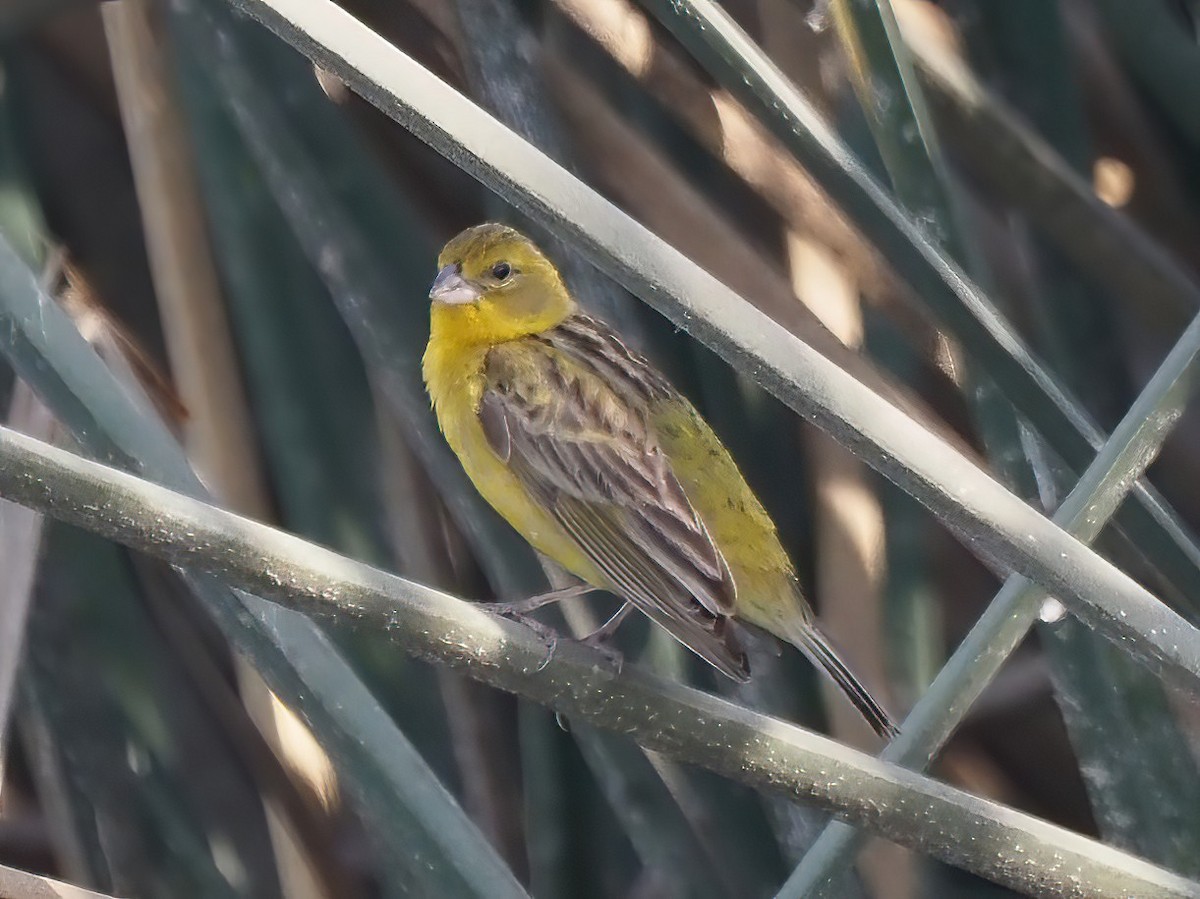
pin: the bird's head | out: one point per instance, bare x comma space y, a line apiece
494, 285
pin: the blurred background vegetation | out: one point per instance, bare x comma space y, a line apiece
253, 243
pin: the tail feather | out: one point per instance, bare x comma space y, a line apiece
816, 647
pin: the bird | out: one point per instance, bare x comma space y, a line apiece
591, 454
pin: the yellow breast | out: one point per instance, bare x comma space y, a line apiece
454, 378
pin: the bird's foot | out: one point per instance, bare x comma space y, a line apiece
516, 611
518, 608
545, 633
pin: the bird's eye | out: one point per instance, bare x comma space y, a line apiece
501, 270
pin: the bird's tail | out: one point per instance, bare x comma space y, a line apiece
816, 647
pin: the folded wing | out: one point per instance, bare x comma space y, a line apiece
568, 412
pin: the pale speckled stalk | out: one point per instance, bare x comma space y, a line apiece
1009, 847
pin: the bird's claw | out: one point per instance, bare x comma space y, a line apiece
598, 640
551, 645
548, 634
510, 610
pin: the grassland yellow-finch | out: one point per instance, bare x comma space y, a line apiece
602, 465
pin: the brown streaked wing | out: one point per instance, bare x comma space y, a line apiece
664, 601
575, 432
633, 380
595, 345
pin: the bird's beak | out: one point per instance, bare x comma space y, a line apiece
451, 287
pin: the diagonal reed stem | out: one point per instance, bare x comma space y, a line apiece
1085, 511
744, 70
1009, 847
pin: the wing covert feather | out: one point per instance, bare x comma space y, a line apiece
568, 413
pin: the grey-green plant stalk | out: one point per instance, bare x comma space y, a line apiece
888, 89
1085, 512
742, 68
1022, 852
997, 146
14, 882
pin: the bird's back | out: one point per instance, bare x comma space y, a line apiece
768, 593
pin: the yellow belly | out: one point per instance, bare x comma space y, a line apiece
456, 386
